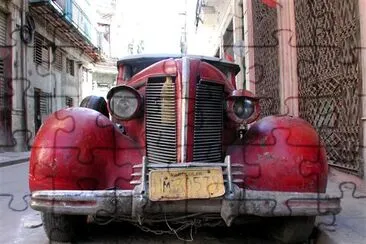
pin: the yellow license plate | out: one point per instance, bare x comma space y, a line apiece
180, 184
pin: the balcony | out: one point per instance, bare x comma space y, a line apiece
210, 12
69, 19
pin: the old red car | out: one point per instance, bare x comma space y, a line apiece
182, 142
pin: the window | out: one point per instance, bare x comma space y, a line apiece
228, 40
57, 59
42, 107
84, 75
45, 103
3, 29
41, 51
70, 67
61, 3
69, 101
3, 102
3, 32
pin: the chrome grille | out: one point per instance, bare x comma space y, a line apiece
161, 120
208, 123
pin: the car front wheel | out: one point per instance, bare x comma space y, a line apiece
63, 228
295, 229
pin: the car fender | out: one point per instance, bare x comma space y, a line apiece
282, 153
81, 149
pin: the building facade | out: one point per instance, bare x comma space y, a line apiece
302, 58
104, 72
47, 51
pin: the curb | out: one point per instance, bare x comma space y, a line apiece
13, 162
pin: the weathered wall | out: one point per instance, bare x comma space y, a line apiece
25, 76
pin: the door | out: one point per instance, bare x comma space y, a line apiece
5, 109
37, 110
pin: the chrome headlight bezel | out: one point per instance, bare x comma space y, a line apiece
117, 96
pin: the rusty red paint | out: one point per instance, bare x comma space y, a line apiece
76, 144
282, 153
208, 72
270, 3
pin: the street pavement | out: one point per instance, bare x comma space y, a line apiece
21, 224
11, 158
350, 224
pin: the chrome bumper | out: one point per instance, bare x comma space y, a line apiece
231, 205
236, 201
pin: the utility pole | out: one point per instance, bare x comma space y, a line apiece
183, 39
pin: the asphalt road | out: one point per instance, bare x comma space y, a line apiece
20, 224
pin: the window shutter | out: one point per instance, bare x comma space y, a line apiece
41, 51
2, 86
70, 67
45, 103
58, 59
3, 29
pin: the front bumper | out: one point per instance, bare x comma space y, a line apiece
235, 202
135, 204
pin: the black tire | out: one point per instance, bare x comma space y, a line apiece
295, 229
63, 228
96, 103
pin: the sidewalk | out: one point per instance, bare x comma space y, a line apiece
10, 158
349, 226
350, 223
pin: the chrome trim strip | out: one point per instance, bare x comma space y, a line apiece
143, 175
229, 173
185, 100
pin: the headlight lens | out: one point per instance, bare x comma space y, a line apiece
243, 108
124, 103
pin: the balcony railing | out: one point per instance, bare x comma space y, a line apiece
68, 12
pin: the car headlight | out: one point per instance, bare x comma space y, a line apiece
242, 107
124, 102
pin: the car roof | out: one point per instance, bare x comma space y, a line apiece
149, 59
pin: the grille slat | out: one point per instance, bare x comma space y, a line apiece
157, 146
158, 149
158, 135
154, 124
161, 120
208, 123
158, 121
162, 140
156, 110
201, 133
158, 157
